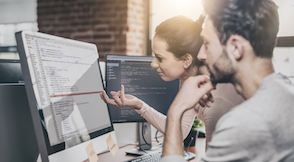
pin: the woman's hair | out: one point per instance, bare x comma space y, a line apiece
182, 36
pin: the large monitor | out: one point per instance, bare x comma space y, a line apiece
10, 71
63, 81
142, 81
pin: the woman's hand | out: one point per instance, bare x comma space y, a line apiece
120, 99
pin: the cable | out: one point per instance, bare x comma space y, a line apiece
156, 137
158, 142
191, 139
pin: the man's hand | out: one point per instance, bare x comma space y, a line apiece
194, 90
206, 100
120, 99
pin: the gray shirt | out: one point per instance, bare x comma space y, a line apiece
259, 129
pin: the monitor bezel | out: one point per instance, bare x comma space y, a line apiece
36, 118
9, 61
106, 59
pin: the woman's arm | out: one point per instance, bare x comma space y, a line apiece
158, 120
155, 118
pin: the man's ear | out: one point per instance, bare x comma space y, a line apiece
236, 47
187, 60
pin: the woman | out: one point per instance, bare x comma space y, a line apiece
176, 45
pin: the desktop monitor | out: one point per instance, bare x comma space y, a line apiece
10, 71
63, 81
140, 80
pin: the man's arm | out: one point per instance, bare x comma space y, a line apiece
192, 90
173, 144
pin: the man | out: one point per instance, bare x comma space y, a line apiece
239, 37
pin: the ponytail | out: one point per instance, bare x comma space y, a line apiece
200, 21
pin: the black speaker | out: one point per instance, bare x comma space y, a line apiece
144, 136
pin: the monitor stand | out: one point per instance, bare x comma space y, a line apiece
144, 138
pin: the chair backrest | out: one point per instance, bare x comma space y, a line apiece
17, 135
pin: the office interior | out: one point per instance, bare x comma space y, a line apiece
116, 27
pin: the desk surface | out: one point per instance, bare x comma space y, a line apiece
199, 150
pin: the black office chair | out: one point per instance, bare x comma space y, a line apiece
17, 135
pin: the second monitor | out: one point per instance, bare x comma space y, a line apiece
140, 80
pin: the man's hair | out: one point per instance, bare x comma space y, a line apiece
255, 20
182, 36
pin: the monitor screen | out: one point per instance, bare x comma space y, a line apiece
10, 71
63, 81
140, 80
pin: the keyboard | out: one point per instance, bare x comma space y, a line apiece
156, 156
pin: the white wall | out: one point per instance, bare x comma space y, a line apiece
164, 9
286, 14
16, 15
283, 59
16, 11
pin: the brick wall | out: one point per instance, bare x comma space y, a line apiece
115, 26
135, 22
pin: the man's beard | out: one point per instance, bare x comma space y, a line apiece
223, 70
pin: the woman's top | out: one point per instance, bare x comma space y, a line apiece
225, 97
